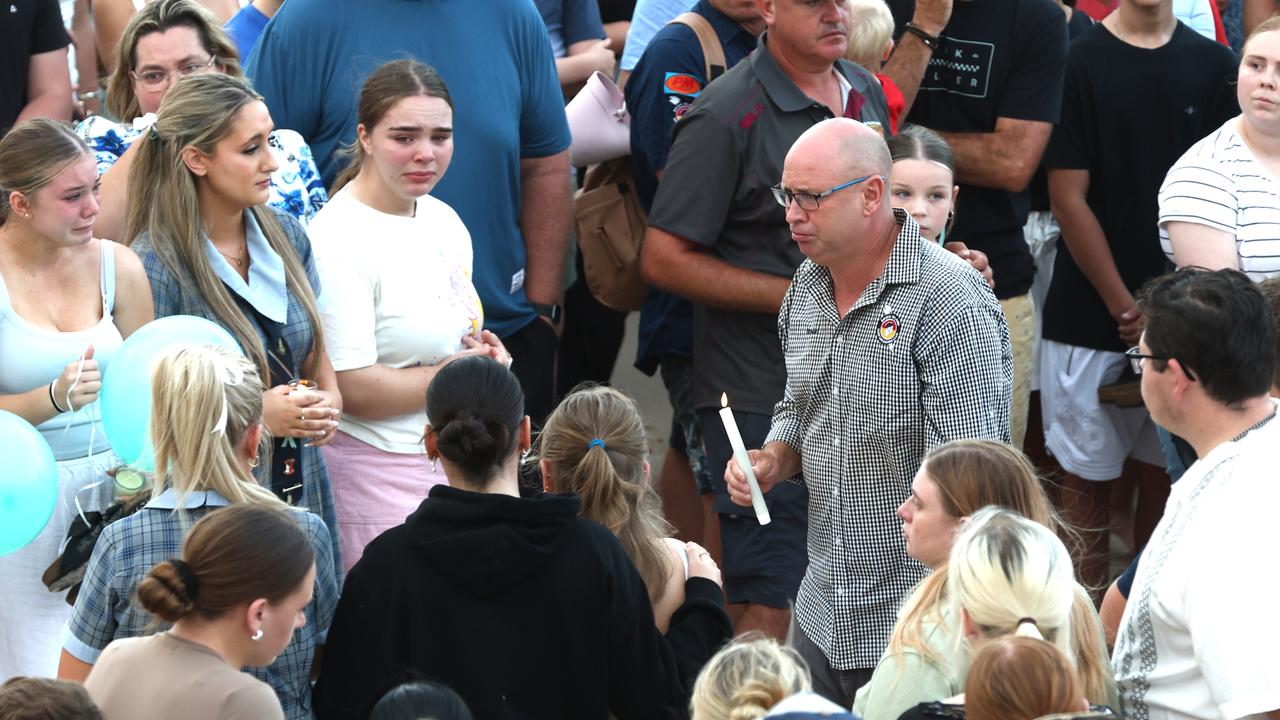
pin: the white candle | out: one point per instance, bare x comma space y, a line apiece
744, 461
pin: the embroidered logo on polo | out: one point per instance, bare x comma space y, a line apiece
962, 67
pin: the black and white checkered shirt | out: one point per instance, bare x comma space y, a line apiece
922, 358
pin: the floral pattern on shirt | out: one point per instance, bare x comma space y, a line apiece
296, 187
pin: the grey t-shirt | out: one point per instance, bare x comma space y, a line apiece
726, 153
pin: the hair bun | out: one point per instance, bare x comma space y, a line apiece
471, 443
168, 591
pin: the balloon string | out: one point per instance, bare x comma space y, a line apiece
93, 435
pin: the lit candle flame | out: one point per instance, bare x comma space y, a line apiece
724, 400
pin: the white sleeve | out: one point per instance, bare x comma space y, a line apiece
349, 306
1230, 604
1197, 191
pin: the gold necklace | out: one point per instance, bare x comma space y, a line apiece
239, 261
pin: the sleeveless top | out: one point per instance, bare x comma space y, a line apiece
33, 356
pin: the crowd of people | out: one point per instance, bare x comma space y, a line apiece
960, 309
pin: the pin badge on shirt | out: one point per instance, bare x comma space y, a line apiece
889, 326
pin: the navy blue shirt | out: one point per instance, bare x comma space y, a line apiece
569, 22
667, 79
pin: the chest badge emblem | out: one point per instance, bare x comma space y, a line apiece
889, 326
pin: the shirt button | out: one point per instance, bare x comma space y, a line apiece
835, 392
836, 442
839, 591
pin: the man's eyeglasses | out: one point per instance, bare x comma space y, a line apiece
809, 201
1135, 357
157, 79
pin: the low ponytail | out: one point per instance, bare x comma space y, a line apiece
595, 443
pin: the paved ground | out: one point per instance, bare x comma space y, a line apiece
648, 393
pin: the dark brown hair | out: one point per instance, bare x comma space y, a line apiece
1271, 288
385, 87
232, 556
25, 698
1020, 678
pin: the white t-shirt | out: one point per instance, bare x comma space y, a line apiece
1199, 635
1219, 183
397, 292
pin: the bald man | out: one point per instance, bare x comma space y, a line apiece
893, 346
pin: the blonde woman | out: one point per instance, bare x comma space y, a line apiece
164, 41
1006, 575
67, 301
594, 445
212, 248
957, 480
747, 678
207, 429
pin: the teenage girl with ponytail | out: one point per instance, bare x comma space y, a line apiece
240, 589
594, 445
206, 426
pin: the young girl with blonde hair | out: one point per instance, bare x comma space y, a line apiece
206, 421
594, 445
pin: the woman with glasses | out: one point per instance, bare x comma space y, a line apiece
164, 41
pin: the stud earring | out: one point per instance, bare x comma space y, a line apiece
257, 635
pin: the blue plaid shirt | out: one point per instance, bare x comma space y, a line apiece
178, 296
129, 548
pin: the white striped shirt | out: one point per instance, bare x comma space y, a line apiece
1220, 184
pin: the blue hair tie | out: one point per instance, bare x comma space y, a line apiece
597, 442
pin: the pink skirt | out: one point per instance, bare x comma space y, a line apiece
373, 490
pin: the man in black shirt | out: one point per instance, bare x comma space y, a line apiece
1141, 88
993, 89
718, 238
34, 78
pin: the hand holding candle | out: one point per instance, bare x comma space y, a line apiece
743, 460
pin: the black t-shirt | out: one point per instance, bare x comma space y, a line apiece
998, 58
29, 27
1039, 188
1128, 114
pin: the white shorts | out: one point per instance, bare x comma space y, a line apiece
1041, 233
1089, 439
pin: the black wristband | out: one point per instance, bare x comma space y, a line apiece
54, 400
931, 41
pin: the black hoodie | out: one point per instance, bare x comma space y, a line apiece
524, 608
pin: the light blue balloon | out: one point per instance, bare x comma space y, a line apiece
126, 385
28, 483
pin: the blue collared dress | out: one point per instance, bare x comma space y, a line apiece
267, 293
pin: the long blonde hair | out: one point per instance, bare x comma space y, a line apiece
204, 400
609, 474
970, 475
746, 678
163, 203
159, 17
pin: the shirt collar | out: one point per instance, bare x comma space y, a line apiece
725, 27
903, 266
781, 88
168, 500
266, 290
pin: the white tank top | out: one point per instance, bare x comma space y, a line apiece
33, 356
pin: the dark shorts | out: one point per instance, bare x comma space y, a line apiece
762, 565
686, 431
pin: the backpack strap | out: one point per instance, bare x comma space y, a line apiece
712, 50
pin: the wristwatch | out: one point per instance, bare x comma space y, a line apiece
550, 312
